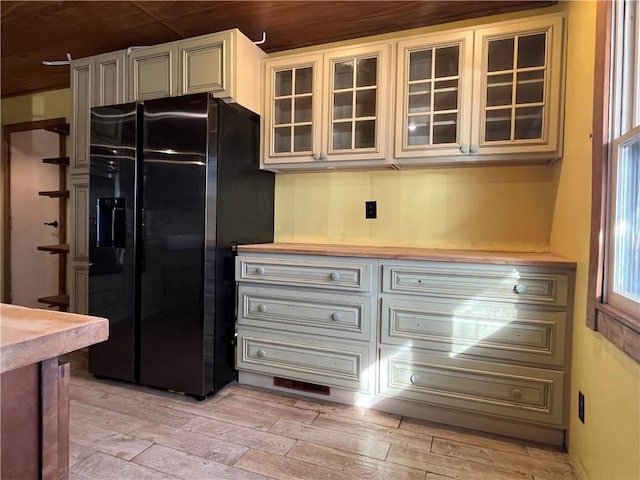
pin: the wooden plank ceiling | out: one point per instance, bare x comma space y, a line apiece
36, 31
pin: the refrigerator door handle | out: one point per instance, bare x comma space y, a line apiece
111, 222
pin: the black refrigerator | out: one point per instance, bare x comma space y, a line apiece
174, 185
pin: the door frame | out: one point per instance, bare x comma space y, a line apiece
7, 130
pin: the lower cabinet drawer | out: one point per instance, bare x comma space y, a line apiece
502, 283
299, 357
477, 328
522, 393
305, 311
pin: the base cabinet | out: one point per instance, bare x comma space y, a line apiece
307, 319
34, 422
489, 340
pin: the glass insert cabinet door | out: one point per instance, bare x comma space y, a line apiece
292, 110
433, 97
356, 105
520, 86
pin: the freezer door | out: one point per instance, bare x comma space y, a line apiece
112, 231
174, 194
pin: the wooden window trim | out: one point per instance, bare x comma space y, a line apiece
618, 327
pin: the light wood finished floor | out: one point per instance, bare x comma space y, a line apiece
121, 432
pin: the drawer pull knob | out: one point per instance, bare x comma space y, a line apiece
516, 394
262, 308
520, 288
260, 270
414, 379
335, 276
260, 353
464, 148
336, 317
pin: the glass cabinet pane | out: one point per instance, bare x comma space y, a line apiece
531, 50
420, 65
418, 130
528, 123
342, 105
447, 61
530, 87
515, 99
420, 103
365, 134
283, 83
283, 111
433, 92
445, 128
447, 100
367, 72
365, 103
282, 140
293, 110
342, 136
343, 75
303, 109
302, 138
501, 55
304, 80
498, 125
499, 90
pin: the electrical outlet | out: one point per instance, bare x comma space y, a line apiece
581, 406
370, 209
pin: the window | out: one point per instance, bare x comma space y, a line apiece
623, 267
614, 274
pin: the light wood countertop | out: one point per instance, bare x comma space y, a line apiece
30, 335
414, 253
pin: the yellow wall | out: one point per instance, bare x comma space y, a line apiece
607, 446
485, 208
39, 106
30, 108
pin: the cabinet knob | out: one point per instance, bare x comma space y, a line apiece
516, 394
323, 156
262, 308
315, 156
335, 276
464, 148
261, 353
474, 148
260, 270
414, 378
520, 288
336, 317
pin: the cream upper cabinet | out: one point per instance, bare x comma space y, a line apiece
110, 84
492, 94
226, 64
519, 86
292, 114
153, 72
328, 108
433, 98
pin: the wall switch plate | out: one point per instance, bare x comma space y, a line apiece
581, 406
370, 209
